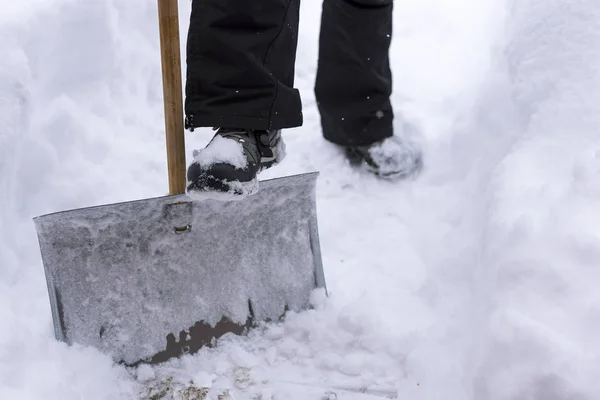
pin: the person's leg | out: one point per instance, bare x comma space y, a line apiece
240, 64
240, 77
354, 81
354, 84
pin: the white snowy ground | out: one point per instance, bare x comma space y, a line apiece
477, 281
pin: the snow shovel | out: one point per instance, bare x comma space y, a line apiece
147, 280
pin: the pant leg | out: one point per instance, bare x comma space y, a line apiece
240, 64
354, 80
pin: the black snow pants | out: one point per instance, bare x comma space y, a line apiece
240, 67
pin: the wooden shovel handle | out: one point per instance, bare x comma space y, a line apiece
168, 18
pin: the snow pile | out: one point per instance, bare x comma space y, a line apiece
474, 282
542, 244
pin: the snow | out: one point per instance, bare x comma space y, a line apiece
476, 281
222, 150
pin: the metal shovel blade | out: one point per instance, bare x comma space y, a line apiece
147, 280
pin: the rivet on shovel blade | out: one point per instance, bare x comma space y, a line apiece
183, 229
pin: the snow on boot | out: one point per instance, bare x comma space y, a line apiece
228, 166
391, 158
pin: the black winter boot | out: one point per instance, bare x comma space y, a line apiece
230, 163
391, 158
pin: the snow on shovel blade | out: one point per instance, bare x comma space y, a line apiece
147, 280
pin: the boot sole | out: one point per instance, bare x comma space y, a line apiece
212, 188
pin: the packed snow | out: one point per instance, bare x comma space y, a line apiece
476, 281
221, 150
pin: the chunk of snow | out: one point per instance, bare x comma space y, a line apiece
222, 150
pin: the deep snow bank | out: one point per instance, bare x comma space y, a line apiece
538, 270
